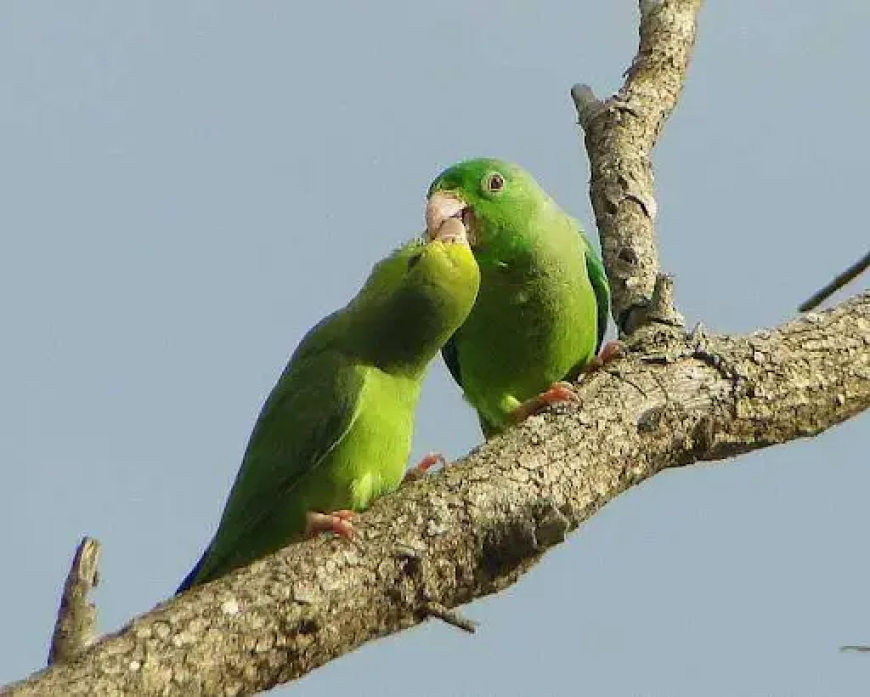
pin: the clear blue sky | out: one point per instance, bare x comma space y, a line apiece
186, 187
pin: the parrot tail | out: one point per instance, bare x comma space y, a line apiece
188, 581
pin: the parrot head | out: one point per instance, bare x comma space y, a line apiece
416, 298
491, 198
441, 262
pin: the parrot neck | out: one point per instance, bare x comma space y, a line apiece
509, 244
510, 252
402, 335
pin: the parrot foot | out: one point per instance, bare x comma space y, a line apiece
421, 469
557, 393
337, 522
609, 352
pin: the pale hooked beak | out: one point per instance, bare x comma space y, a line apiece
452, 231
440, 207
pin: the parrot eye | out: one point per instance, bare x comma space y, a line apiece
494, 182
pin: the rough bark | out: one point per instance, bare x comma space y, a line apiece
77, 615
473, 529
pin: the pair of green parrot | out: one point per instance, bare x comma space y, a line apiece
503, 282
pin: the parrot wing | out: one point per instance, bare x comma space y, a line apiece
451, 360
312, 408
598, 279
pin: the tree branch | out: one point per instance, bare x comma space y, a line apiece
620, 135
476, 527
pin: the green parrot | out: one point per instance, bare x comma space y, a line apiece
544, 299
335, 433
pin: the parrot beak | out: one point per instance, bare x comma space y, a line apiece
451, 231
441, 206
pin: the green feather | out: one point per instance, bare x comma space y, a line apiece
544, 300
335, 433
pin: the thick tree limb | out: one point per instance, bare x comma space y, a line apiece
620, 135
474, 528
77, 615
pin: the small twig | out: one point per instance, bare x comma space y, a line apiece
586, 103
77, 616
450, 617
661, 308
841, 280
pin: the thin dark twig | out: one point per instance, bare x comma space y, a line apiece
855, 649
841, 280
450, 617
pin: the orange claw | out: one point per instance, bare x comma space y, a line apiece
558, 392
564, 391
609, 352
337, 522
422, 468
